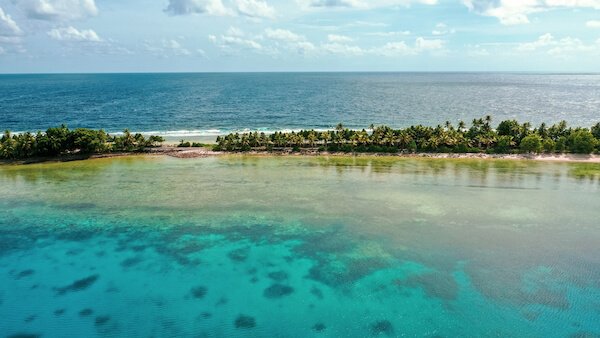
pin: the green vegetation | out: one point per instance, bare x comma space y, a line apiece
187, 144
61, 141
508, 137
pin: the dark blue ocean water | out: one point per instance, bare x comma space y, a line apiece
208, 104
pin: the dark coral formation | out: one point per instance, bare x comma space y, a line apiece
78, 285
278, 276
319, 327
198, 292
239, 255
132, 261
316, 292
382, 327
25, 273
86, 312
245, 322
101, 320
278, 291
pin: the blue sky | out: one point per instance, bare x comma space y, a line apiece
299, 35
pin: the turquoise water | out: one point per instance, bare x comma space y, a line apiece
187, 105
299, 247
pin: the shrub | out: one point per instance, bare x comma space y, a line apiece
531, 144
582, 142
549, 145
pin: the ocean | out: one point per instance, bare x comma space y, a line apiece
192, 105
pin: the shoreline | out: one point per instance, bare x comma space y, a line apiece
187, 153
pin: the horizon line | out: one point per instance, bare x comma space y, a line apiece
525, 72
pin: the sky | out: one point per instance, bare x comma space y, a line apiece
50, 36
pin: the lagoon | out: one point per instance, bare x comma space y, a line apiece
264, 246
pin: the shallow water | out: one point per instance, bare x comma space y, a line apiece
299, 247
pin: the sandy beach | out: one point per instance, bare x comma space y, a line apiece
173, 151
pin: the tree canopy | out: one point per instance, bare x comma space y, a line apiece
61, 140
508, 137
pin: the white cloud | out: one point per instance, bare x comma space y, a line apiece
255, 9
234, 39
2, 51
395, 49
442, 29
388, 34
283, 35
401, 48
343, 49
168, 47
362, 4
339, 38
422, 44
276, 42
514, 12
8, 26
390, 49
175, 47
290, 40
58, 10
559, 47
593, 24
73, 34
184, 7
543, 41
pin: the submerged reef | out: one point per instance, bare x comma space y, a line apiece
78, 285
278, 291
245, 322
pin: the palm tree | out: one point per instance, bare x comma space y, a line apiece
312, 138
325, 136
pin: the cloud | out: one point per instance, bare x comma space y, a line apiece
175, 47
58, 10
515, 12
442, 29
275, 42
8, 26
361, 4
283, 35
234, 40
558, 47
390, 49
255, 9
185, 7
422, 44
73, 34
401, 48
290, 40
593, 24
339, 38
343, 49
389, 34
169, 47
